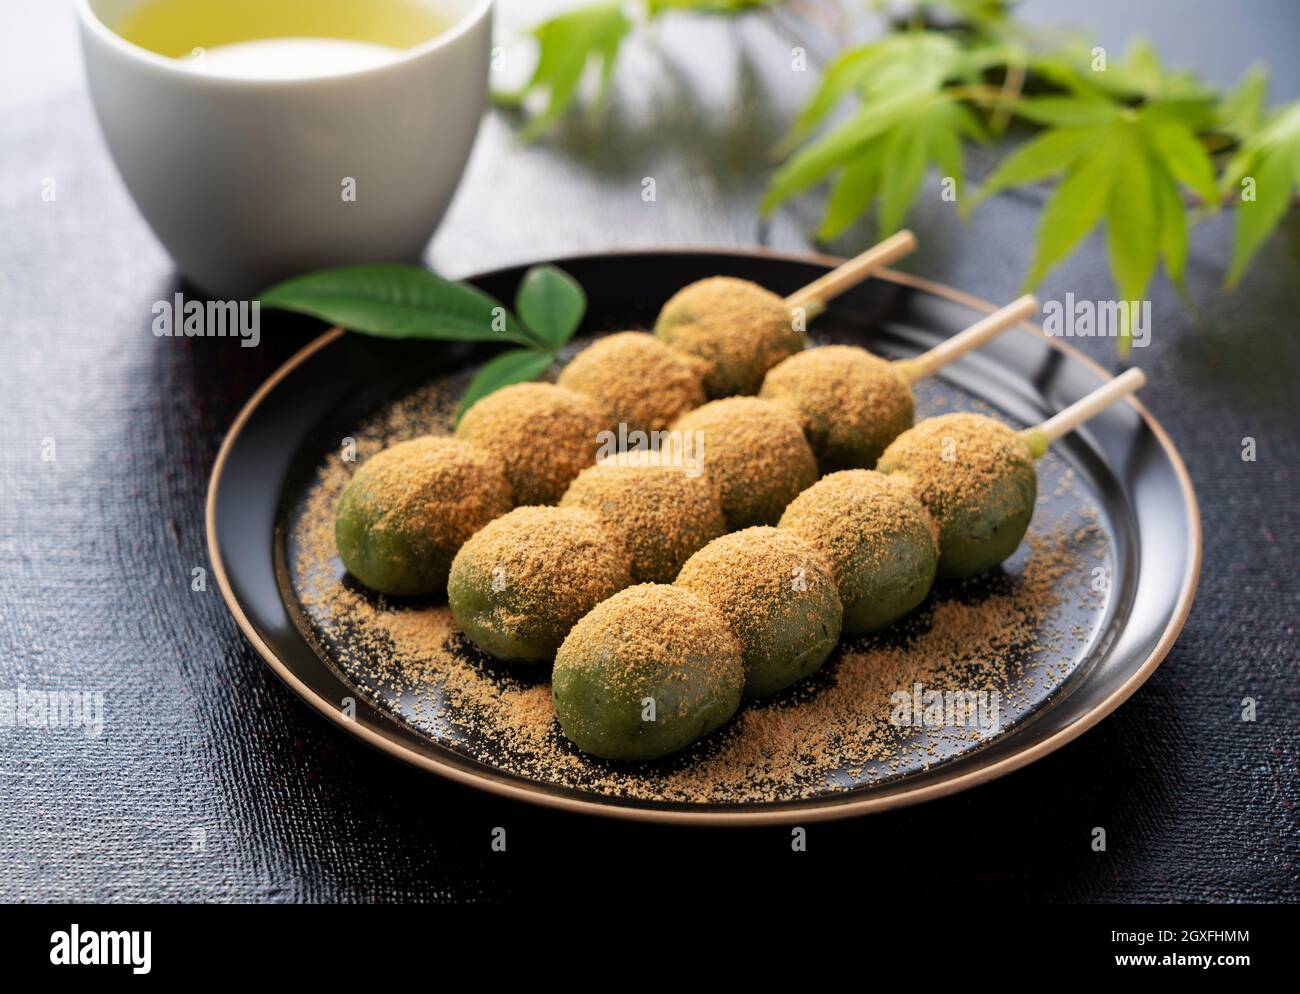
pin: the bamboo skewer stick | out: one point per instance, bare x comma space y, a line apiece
928, 363
814, 297
1080, 411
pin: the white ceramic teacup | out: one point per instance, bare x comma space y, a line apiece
246, 181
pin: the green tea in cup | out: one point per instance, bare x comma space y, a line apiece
281, 39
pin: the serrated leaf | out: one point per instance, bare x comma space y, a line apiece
1075, 206
1037, 159
1241, 111
1195, 114
1067, 112
853, 192
397, 301
1271, 158
1184, 156
657, 7
1173, 219
1132, 225
1140, 73
567, 44
905, 154
843, 74
920, 61
893, 163
1132, 218
551, 304
944, 150
913, 63
515, 366
1273, 176
819, 159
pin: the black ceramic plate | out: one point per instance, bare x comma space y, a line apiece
1121, 475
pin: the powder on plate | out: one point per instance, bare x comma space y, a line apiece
1018, 633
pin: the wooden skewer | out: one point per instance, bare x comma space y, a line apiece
814, 297
1081, 410
928, 363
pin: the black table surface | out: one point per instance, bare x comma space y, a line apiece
212, 782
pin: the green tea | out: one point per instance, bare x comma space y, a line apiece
178, 27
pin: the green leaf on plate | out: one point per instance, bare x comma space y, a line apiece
551, 303
397, 301
515, 366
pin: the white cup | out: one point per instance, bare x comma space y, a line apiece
246, 181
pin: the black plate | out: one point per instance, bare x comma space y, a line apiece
1124, 477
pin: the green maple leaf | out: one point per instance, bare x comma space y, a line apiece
931, 137
591, 37
657, 7
1262, 175
1241, 111
841, 146
567, 45
990, 16
1120, 167
1140, 73
881, 154
894, 68
1085, 70
905, 123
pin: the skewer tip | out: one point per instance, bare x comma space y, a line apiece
1076, 414
1133, 376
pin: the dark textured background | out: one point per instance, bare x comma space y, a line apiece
96, 548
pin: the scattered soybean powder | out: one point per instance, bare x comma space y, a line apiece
992, 650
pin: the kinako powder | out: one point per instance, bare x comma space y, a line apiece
542, 434
1017, 634
959, 462
852, 402
661, 514
636, 380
